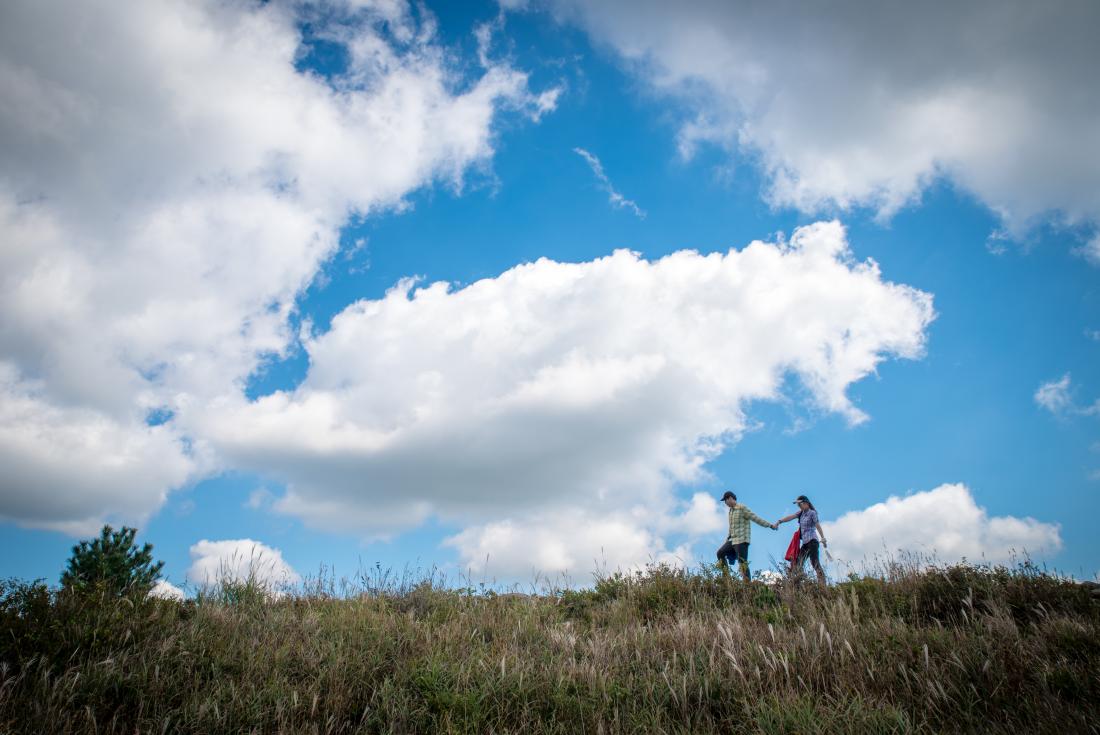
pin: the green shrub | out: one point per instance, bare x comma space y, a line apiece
113, 564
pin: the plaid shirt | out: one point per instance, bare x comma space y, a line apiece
807, 525
740, 532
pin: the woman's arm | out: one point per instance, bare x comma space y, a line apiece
792, 516
821, 535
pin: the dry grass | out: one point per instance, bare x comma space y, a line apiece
957, 649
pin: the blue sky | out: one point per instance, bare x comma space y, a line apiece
270, 411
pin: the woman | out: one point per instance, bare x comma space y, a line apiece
809, 529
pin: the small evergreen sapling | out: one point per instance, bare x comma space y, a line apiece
112, 562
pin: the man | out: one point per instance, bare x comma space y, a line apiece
736, 547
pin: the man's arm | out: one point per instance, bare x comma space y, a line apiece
760, 521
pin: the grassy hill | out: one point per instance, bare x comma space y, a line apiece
957, 649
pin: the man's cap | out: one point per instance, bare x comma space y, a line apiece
728, 494
801, 499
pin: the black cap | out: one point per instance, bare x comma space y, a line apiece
801, 499
728, 494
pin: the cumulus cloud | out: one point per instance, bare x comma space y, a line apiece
562, 543
617, 200
560, 396
170, 181
702, 517
945, 523
64, 465
166, 591
849, 104
578, 541
239, 560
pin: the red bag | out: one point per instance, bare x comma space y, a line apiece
792, 548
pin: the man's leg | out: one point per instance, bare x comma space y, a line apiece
726, 552
743, 560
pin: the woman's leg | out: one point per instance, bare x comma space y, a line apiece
797, 563
810, 550
816, 562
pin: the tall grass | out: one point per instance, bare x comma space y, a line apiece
954, 649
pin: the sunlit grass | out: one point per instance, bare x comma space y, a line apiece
957, 649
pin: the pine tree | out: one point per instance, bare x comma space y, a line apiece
114, 562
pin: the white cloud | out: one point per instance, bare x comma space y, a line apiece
258, 498
1054, 395
565, 394
849, 104
64, 465
613, 196
701, 517
239, 560
945, 522
166, 591
1090, 251
570, 542
169, 183
770, 576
